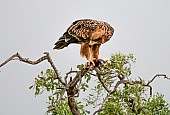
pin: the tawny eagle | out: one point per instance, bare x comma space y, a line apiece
90, 34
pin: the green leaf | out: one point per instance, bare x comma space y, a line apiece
31, 87
80, 67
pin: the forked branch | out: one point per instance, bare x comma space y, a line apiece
39, 60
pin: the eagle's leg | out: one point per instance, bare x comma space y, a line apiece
94, 53
87, 52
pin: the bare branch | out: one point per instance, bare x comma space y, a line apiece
55, 69
158, 75
26, 60
39, 60
92, 74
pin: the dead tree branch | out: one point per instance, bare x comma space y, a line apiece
158, 75
39, 60
26, 60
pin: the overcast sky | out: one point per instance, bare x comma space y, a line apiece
31, 27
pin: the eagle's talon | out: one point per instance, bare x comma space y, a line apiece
91, 61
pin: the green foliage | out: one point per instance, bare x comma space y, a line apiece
63, 109
126, 100
157, 105
80, 67
131, 101
119, 66
48, 82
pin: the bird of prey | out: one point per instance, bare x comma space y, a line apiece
90, 34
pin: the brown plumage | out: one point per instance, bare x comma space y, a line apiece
90, 34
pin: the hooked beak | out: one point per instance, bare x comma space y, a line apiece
92, 43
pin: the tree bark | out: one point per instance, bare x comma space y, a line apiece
72, 102
72, 91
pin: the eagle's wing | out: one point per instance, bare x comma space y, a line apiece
79, 32
102, 33
82, 29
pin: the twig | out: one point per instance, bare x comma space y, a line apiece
100, 79
55, 69
26, 60
68, 73
103, 104
78, 77
92, 74
158, 75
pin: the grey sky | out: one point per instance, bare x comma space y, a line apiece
31, 27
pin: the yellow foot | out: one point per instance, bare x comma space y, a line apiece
91, 61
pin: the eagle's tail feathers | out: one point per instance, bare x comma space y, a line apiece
60, 44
